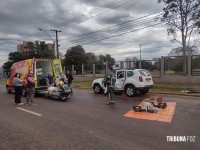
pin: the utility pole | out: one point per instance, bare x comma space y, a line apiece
140, 62
56, 41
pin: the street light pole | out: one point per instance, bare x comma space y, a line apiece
56, 40
52, 39
48, 36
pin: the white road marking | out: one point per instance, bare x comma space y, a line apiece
28, 111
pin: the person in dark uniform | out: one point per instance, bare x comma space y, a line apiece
70, 79
18, 89
110, 83
50, 79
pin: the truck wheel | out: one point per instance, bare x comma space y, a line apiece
24, 93
8, 90
97, 89
130, 90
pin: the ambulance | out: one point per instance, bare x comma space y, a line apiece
40, 68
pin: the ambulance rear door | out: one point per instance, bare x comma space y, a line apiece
57, 69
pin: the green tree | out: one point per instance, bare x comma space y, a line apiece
176, 64
75, 56
38, 50
179, 51
12, 58
182, 18
102, 59
148, 65
91, 59
7, 65
195, 63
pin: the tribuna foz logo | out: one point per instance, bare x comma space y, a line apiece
180, 138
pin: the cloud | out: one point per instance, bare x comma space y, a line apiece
20, 20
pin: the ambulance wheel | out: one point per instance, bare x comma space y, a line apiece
24, 93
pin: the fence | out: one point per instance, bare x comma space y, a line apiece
195, 63
174, 65
179, 70
90, 72
168, 69
86, 72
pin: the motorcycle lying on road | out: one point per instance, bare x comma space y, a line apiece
62, 93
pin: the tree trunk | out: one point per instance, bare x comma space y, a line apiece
183, 38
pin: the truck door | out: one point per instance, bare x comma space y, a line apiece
57, 69
120, 79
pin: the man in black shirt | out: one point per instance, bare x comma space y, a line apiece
70, 79
110, 83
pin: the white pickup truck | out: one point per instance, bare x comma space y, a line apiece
127, 80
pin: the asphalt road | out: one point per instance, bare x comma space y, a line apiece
86, 123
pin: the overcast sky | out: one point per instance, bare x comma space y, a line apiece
117, 26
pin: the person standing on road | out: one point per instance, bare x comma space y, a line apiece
18, 89
70, 79
30, 88
110, 83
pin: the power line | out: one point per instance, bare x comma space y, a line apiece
100, 10
114, 35
123, 33
109, 32
90, 13
103, 38
129, 21
46, 34
94, 12
120, 34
